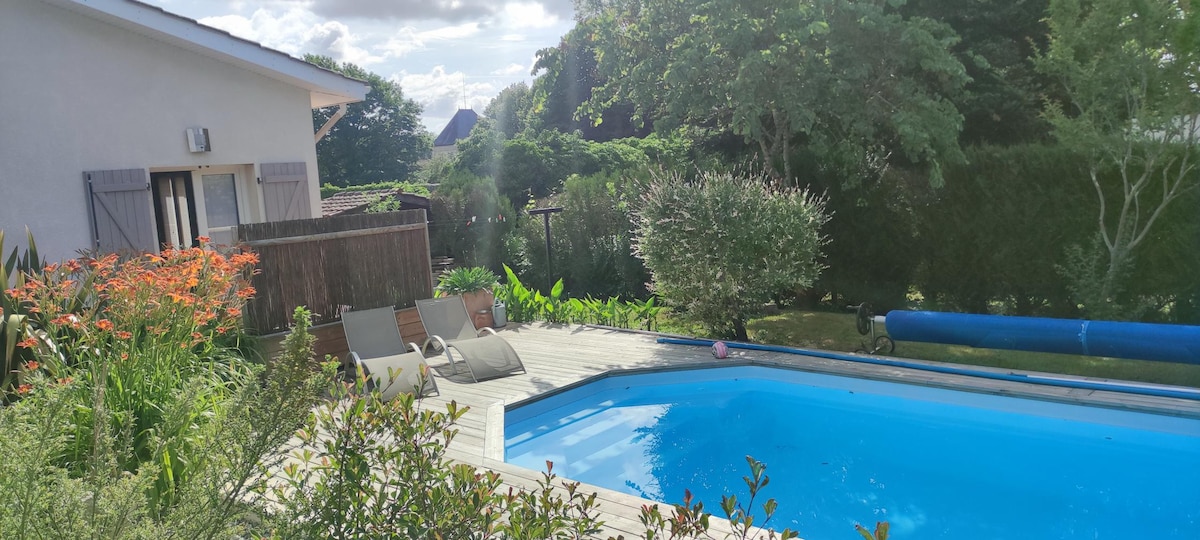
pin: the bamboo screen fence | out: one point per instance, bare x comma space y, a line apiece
362, 261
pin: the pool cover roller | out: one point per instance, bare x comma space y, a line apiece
1142, 341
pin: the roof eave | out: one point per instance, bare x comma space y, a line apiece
326, 88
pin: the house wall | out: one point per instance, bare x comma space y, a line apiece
82, 95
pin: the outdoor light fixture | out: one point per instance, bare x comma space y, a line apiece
197, 139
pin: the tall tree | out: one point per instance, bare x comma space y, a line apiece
855, 80
1002, 103
378, 140
509, 111
567, 76
1130, 71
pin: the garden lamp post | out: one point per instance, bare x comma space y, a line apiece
545, 213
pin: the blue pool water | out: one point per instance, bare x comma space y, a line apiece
935, 463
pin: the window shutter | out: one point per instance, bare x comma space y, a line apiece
285, 191
122, 210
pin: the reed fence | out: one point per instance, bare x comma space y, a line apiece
359, 261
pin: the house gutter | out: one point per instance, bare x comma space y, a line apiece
337, 115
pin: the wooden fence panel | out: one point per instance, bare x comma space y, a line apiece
363, 261
331, 338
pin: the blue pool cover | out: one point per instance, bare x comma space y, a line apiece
1143, 341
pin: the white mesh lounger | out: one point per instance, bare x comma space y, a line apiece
449, 326
377, 349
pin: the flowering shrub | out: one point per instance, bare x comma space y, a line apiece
190, 298
154, 332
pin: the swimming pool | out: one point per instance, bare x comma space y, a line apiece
935, 463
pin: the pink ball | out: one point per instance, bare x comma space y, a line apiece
720, 349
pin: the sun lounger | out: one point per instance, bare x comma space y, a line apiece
448, 326
377, 348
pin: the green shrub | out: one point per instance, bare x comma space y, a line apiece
101, 497
379, 470
148, 336
525, 305
996, 231
14, 316
722, 246
592, 238
464, 280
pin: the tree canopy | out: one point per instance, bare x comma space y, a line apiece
856, 81
378, 140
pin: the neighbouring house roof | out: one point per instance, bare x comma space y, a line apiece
458, 128
356, 202
325, 87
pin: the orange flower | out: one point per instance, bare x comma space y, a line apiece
32, 365
27, 343
233, 312
104, 325
62, 320
65, 380
121, 334
24, 388
244, 259
246, 292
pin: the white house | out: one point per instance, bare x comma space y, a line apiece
128, 127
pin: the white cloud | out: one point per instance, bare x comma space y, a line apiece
445, 10
513, 37
519, 15
408, 39
297, 31
442, 93
511, 69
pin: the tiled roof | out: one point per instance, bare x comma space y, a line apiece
346, 201
458, 128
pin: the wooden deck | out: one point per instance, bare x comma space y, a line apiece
557, 356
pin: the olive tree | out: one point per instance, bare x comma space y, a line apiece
720, 246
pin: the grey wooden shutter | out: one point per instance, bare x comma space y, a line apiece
122, 210
285, 191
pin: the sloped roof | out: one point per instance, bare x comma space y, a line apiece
458, 128
347, 201
325, 87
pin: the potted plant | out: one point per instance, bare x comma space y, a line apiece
475, 285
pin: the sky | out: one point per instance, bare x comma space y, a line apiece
445, 54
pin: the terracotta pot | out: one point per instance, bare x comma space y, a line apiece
479, 306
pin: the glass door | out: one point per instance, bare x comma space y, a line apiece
220, 207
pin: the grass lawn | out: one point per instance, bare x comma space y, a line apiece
835, 332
